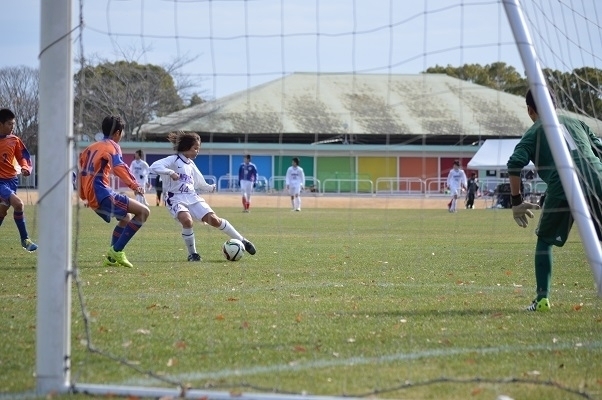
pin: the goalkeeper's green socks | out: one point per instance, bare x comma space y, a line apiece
543, 269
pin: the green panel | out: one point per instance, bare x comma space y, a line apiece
281, 164
334, 171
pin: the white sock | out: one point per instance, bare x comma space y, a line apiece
298, 203
293, 203
188, 236
229, 230
453, 207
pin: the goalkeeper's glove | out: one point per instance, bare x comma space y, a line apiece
522, 210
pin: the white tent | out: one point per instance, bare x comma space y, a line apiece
494, 155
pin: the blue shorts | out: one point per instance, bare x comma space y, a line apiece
7, 188
115, 205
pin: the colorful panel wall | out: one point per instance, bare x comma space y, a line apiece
216, 165
281, 164
263, 164
332, 169
377, 167
424, 168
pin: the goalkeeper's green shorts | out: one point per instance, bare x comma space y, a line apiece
556, 220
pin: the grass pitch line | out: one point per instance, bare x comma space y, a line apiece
301, 366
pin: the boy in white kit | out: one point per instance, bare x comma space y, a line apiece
140, 170
456, 181
181, 178
295, 180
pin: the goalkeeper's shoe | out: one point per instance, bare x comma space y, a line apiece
29, 245
194, 257
109, 262
542, 305
249, 247
119, 257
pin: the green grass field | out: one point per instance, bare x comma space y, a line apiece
404, 304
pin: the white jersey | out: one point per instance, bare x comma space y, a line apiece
190, 178
140, 170
456, 179
295, 177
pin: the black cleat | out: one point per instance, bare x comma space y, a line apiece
249, 247
194, 257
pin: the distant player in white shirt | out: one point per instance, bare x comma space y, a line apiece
456, 181
247, 178
140, 170
181, 178
295, 180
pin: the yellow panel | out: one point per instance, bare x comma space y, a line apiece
377, 167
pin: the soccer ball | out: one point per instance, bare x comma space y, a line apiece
233, 249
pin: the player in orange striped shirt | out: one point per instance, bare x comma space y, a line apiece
12, 149
96, 163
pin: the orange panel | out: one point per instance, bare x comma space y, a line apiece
419, 167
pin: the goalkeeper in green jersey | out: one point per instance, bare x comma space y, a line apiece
556, 220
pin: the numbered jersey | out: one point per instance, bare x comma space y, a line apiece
96, 163
190, 178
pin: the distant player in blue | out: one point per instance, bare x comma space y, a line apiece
247, 177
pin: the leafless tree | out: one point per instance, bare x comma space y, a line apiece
19, 92
137, 92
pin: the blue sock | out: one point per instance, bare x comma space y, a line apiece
128, 232
116, 234
1, 221
20, 221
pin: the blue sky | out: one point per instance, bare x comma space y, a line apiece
237, 44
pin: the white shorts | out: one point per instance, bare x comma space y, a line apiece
194, 204
246, 186
294, 190
455, 191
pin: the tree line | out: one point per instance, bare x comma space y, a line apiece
136, 92
578, 91
141, 92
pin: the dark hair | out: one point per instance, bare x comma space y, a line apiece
296, 160
139, 152
183, 141
248, 157
112, 124
531, 101
456, 162
6, 115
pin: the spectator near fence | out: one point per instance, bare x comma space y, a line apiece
472, 188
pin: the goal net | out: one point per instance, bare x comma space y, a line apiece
379, 282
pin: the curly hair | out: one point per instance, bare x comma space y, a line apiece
183, 141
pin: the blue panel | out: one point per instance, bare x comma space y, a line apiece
264, 168
216, 165
263, 164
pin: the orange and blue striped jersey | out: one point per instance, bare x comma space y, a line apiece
12, 149
96, 163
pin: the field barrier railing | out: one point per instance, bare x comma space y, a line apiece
395, 185
355, 182
278, 182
